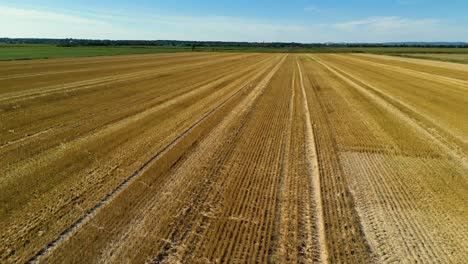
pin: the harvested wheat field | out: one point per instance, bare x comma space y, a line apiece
230, 157
460, 58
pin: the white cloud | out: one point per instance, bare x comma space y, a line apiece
386, 23
394, 29
22, 22
223, 28
34, 15
17, 22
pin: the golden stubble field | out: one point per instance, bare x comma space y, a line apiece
219, 157
460, 58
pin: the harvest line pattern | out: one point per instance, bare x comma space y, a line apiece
210, 158
127, 181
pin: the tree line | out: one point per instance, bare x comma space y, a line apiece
70, 42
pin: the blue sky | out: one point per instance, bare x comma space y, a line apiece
261, 20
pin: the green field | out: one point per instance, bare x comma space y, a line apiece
42, 51
39, 51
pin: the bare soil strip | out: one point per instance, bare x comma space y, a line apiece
343, 232
314, 167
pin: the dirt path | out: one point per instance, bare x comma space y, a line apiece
314, 167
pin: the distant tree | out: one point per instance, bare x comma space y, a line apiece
219, 44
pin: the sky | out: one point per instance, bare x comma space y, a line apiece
306, 21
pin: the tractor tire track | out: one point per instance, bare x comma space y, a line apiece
315, 174
160, 154
91, 212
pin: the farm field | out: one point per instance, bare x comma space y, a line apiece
234, 157
47, 51
44, 51
459, 58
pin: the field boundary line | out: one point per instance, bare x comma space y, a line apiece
396, 111
314, 165
108, 198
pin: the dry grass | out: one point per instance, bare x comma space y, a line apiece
404, 160
239, 157
458, 58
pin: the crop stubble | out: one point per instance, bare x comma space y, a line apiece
233, 158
